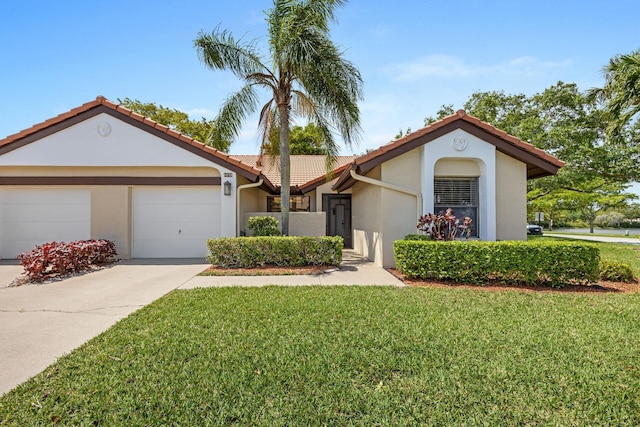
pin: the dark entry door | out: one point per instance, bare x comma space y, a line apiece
338, 209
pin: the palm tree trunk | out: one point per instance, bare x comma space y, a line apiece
285, 168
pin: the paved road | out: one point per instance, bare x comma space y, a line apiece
599, 238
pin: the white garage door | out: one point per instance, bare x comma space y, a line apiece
174, 222
29, 217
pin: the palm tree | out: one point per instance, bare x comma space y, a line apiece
307, 76
621, 92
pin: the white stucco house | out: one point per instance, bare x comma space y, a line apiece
103, 171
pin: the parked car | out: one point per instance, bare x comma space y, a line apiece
534, 229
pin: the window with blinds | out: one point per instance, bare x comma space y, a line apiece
456, 192
461, 195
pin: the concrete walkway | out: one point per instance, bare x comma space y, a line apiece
354, 270
40, 323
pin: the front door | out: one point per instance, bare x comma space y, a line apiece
338, 209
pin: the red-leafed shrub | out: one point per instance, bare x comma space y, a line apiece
63, 258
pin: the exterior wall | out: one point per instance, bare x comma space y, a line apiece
154, 171
511, 198
83, 145
457, 168
300, 223
251, 200
316, 205
460, 145
111, 216
366, 219
399, 211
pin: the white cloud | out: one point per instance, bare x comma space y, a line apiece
449, 66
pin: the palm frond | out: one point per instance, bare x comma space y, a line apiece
219, 50
234, 112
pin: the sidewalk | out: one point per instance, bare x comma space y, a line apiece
354, 270
628, 240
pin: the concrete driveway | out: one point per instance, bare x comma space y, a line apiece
39, 323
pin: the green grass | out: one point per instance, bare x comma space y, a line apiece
621, 252
350, 356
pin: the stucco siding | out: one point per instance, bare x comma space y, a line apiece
111, 216
399, 211
366, 219
82, 171
511, 198
457, 168
300, 223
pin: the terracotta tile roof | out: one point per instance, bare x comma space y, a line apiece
225, 159
368, 161
307, 171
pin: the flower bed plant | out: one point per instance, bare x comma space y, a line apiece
63, 258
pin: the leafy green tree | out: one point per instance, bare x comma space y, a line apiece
302, 140
306, 76
402, 133
444, 111
569, 124
200, 130
621, 91
594, 197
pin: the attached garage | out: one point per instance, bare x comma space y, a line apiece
174, 222
101, 171
32, 216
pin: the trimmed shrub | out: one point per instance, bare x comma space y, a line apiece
62, 258
614, 271
284, 251
553, 264
263, 226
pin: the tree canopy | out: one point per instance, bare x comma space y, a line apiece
200, 130
305, 74
302, 140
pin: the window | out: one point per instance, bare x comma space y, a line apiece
296, 204
459, 194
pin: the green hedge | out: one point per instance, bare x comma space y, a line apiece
616, 272
553, 264
287, 251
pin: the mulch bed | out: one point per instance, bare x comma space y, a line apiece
267, 271
610, 287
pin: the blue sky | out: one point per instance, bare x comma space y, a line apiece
413, 55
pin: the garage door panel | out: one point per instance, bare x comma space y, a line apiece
184, 196
188, 248
171, 230
51, 213
171, 213
174, 222
45, 231
33, 216
45, 196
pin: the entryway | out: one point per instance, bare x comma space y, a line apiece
338, 209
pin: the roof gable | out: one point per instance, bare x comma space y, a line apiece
538, 162
103, 106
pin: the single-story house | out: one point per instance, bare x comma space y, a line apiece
103, 171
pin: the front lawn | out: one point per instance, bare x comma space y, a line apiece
350, 356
